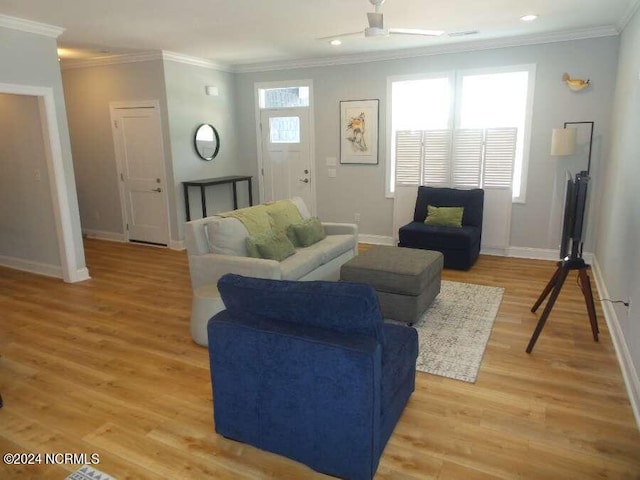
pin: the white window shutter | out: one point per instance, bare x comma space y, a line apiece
464, 158
408, 157
436, 166
499, 155
467, 158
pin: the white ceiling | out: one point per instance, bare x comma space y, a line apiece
237, 32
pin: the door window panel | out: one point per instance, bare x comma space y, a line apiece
284, 129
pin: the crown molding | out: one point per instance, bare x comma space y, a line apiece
469, 46
30, 26
70, 64
196, 61
163, 55
628, 15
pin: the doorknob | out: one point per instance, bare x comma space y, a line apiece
156, 189
306, 171
304, 180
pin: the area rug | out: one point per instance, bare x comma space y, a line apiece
455, 329
89, 473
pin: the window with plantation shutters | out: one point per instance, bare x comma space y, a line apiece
499, 154
462, 126
436, 167
466, 160
462, 158
408, 157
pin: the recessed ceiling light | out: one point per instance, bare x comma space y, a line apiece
336, 42
529, 18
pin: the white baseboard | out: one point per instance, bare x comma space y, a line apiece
498, 252
528, 252
375, 239
31, 266
535, 253
629, 373
80, 275
102, 235
177, 245
516, 252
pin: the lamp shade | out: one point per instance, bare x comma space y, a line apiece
563, 141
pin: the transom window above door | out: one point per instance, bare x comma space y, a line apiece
286, 97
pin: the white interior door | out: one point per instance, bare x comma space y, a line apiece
286, 155
138, 140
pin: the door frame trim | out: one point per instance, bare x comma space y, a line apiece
69, 244
312, 144
133, 104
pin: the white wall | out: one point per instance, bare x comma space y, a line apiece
27, 225
88, 92
188, 107
31, 60
361, 188
618, 236
180, 88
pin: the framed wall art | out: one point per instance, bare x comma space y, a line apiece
359, 131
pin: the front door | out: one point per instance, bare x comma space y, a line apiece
138, 142
286, 155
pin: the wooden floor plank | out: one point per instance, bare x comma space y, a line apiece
108, 366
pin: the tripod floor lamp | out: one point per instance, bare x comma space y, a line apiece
564, 143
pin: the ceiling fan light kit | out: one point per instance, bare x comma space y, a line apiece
529, 18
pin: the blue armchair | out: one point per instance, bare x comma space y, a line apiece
309, 370
459, 245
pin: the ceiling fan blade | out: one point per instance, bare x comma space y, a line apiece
375, 20
342, 35
416, 31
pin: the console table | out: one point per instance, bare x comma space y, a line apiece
207, 182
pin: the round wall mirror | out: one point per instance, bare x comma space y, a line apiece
207, 141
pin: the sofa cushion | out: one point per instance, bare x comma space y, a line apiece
349, 308
227, 236
417, 234
302, 207
331, 247
298, 265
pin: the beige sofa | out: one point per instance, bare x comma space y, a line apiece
217, 245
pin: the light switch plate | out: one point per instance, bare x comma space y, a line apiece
331, 172
331, 161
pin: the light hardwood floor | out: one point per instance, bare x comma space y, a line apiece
108, 366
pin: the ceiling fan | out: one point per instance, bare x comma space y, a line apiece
376, 26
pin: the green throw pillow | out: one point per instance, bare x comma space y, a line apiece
272, 246
291, 235
444, 216
308, 232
